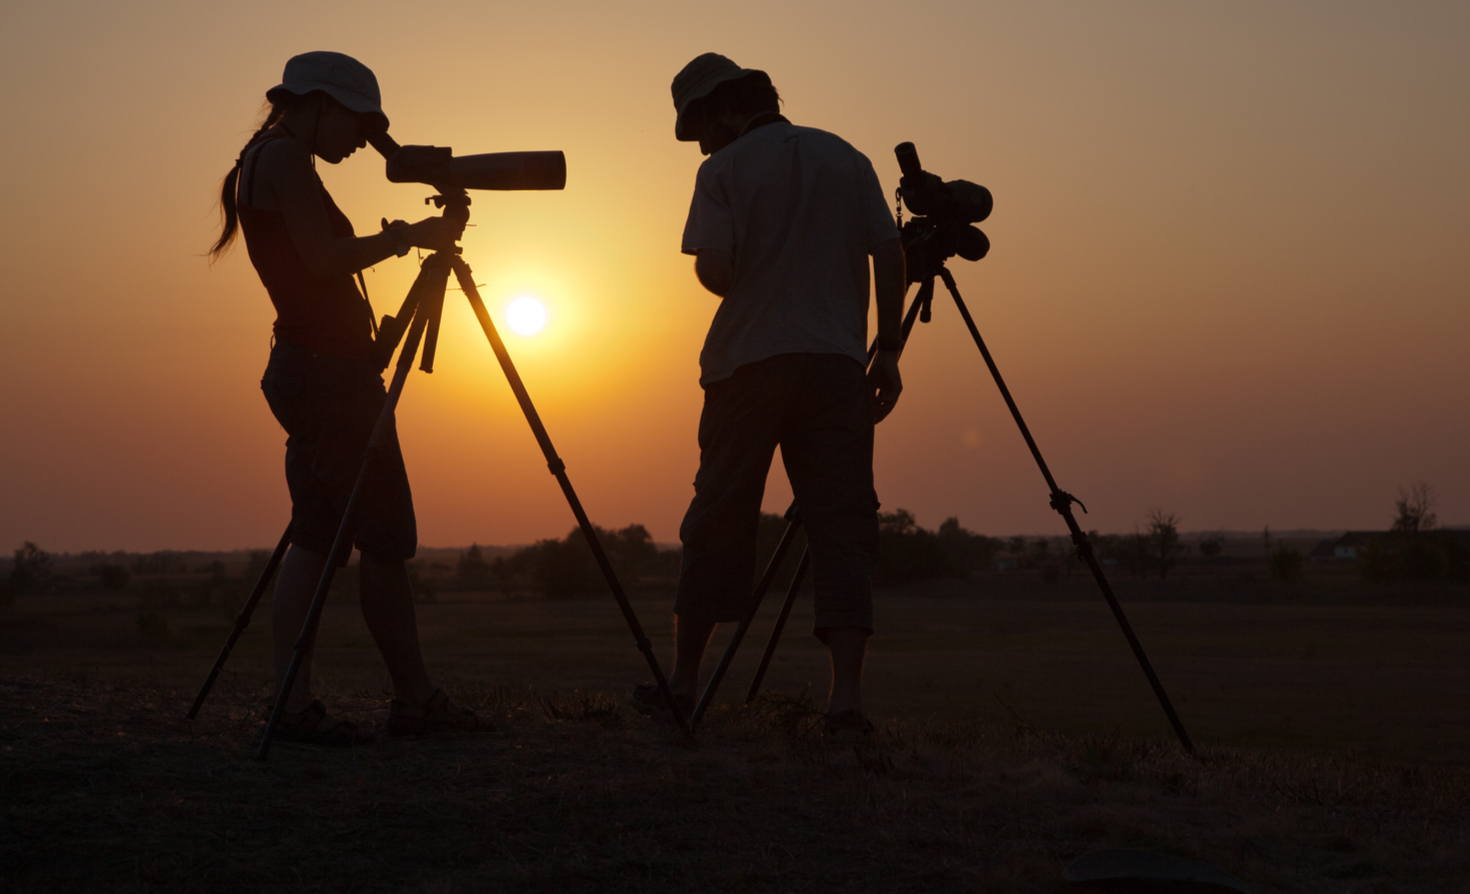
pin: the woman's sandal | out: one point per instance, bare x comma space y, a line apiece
313, 726
438, 714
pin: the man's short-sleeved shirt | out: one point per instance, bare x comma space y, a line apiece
799, 209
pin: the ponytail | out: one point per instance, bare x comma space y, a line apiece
227, 201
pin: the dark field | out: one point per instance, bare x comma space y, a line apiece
1017, 733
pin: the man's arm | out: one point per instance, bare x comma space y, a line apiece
889, 285
716, 270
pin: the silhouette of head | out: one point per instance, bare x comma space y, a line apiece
340, 77
711, 92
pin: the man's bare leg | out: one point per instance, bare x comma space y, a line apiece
387, 607
296, 583
691, 639
849, 647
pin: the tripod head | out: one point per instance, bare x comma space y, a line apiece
945, 214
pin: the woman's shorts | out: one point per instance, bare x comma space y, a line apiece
328, 407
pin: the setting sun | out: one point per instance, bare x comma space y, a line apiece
526, 315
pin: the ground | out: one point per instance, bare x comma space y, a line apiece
1015, 734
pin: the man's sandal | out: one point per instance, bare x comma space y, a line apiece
436, 715
848, 729
313, 726
647, 699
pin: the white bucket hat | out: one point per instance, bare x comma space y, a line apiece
339, 76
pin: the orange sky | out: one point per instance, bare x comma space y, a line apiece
1230, 270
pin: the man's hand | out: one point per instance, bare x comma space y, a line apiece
715, 269
886, 383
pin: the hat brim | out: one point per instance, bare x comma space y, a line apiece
683, 116
362, 105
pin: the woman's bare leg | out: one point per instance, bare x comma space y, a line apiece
296, 583
387, 606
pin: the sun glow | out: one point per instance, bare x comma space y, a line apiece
526, 315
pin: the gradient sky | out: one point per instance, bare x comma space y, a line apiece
1229, 279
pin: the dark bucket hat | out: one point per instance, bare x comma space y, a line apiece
339, 76
698, 79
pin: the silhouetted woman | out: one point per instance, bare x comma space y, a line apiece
322, 385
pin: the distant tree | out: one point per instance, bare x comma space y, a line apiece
165, 561
965, 551
1415, 509
1286, 564
503, 573
31, 569
1210, 546
110, 576
1413, 549
1136, 552
631, 551
472, 568
907, 552
255, 566
1163, 534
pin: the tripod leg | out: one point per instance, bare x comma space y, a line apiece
434, 274
1061, 501
793, 521
796, 579
559, 469
242, 620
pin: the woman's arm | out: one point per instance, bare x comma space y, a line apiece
284, 179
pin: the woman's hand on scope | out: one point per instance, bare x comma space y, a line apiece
433, 233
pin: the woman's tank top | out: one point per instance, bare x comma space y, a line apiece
325, 316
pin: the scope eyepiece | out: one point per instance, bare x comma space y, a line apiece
908, 160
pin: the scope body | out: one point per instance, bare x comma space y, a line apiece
945, 216
439, 167
957, 201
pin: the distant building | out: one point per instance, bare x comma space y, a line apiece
1345, 548
1350, 546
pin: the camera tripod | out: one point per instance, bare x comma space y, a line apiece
932, 266
420, 316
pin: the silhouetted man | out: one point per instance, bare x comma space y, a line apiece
781, 226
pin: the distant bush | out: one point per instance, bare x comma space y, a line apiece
152, 625
1412, 549
1163, 540
472, 567
111, 577
908, 553
1424, 556
162, 562
31, 569
560, 569
1285, 564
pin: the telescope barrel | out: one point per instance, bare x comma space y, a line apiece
439, 167
507, 170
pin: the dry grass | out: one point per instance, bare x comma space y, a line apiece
107, 788
1015, 735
